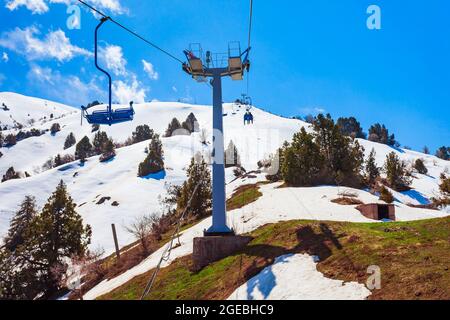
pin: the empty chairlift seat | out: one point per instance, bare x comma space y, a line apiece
123, 114
235, 64
109, 116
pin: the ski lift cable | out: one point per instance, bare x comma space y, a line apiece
130, 31
250, 24
166, 253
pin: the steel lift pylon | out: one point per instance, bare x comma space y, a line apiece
236, 64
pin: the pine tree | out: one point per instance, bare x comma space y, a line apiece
10, 140
420, 166
70, 141
100, 139
55, 128
173, 126
232, 158
443, 153
379, 133
21, 223
199, 180
386, 195
302, 161
339, 152
108, 151
426, 150
191, 123
154, 162
1, 138
56, 234
309, 118
444, 186
18, 279
58, 161
156, 146
83, 149
372, 172
10, 174
142, 133
42, 243
351, 127
396, 172
356, 161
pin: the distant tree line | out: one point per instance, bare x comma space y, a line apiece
101, 145
190, 125
331, 155
377, 133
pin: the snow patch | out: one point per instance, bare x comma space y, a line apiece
295, 277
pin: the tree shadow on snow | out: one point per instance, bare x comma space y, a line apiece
318, 244
109, 160
414, 194
161, 175
397, 149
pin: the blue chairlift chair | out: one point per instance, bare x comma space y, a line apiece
107, 116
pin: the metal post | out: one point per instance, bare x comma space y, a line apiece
116, 243
219, 221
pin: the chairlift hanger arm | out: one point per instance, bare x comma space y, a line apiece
102, 21
108, 116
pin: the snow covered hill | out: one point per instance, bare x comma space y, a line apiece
118, 178
135, 196
21, 111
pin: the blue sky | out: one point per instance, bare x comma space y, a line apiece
307, 56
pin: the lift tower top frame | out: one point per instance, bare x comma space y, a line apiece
213, 70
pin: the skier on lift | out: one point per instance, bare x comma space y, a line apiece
248, 118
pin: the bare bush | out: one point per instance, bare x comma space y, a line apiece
141, 229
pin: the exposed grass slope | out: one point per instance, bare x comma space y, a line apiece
243, 196
414, 258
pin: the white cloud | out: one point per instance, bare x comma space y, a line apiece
42, 74
150, 70
55, 44
35, 6
312, 110
5, 57
113, 6
67, 89
42, 6
112, 56
124, 92
174, 89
